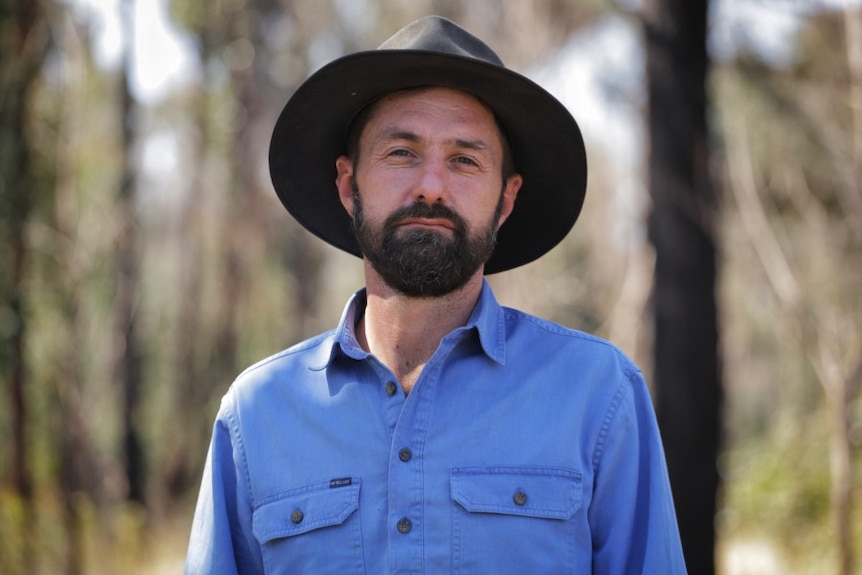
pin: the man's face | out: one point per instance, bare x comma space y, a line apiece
426, 191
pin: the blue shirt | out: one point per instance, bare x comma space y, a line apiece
524, 447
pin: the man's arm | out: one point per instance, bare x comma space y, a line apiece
221, 538
632, 514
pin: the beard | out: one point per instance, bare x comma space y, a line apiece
423, 263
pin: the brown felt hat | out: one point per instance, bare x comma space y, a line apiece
546, 143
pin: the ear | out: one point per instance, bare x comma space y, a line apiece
510, 193
344, 182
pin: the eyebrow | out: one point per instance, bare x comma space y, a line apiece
477, 145
393, 134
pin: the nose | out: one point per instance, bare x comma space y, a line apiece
432, 182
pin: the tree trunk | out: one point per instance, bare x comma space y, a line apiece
182, 468
23, 47
79, 468
128, 352
22, 50
688, 392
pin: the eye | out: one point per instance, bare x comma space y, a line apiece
401, 153
466, 161
399, 156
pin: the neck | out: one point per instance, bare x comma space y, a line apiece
404, 332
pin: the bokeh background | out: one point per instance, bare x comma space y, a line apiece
145, 259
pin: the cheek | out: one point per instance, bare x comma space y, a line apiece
493, 204
384, 195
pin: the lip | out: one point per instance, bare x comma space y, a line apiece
427, 223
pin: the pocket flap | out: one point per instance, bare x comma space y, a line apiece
307, 508
549, 493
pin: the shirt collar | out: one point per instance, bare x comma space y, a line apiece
487, 320
346, 334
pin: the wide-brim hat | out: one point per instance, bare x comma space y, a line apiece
545, 140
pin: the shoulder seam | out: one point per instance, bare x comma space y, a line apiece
629, 367
300, 347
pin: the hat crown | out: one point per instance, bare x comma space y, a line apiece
437, 34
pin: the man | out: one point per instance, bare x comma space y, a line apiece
434, 431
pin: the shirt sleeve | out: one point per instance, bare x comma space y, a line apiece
632, 516
221, 539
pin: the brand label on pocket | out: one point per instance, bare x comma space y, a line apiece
342, 482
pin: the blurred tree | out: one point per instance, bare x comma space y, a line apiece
794, 175
251, 54
24, 43
129, 346
64, 282
188, 372
688, 393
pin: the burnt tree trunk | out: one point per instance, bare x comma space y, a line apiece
128, 358
688, 393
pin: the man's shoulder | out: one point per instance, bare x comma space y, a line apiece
516, 319
311, 354
537, 330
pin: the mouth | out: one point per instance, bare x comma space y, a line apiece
429, 223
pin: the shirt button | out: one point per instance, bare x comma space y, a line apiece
404, 526
520, 498
296, 517
405, 455
391, 388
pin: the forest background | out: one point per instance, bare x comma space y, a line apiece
145, 260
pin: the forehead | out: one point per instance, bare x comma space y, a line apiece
433, 107
436, 94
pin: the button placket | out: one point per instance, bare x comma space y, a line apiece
406, 479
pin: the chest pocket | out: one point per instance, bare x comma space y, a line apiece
515, 519
313, 529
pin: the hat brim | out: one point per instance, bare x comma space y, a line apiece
546, 144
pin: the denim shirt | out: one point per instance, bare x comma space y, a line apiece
524, 447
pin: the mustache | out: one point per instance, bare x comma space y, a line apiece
425, 210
